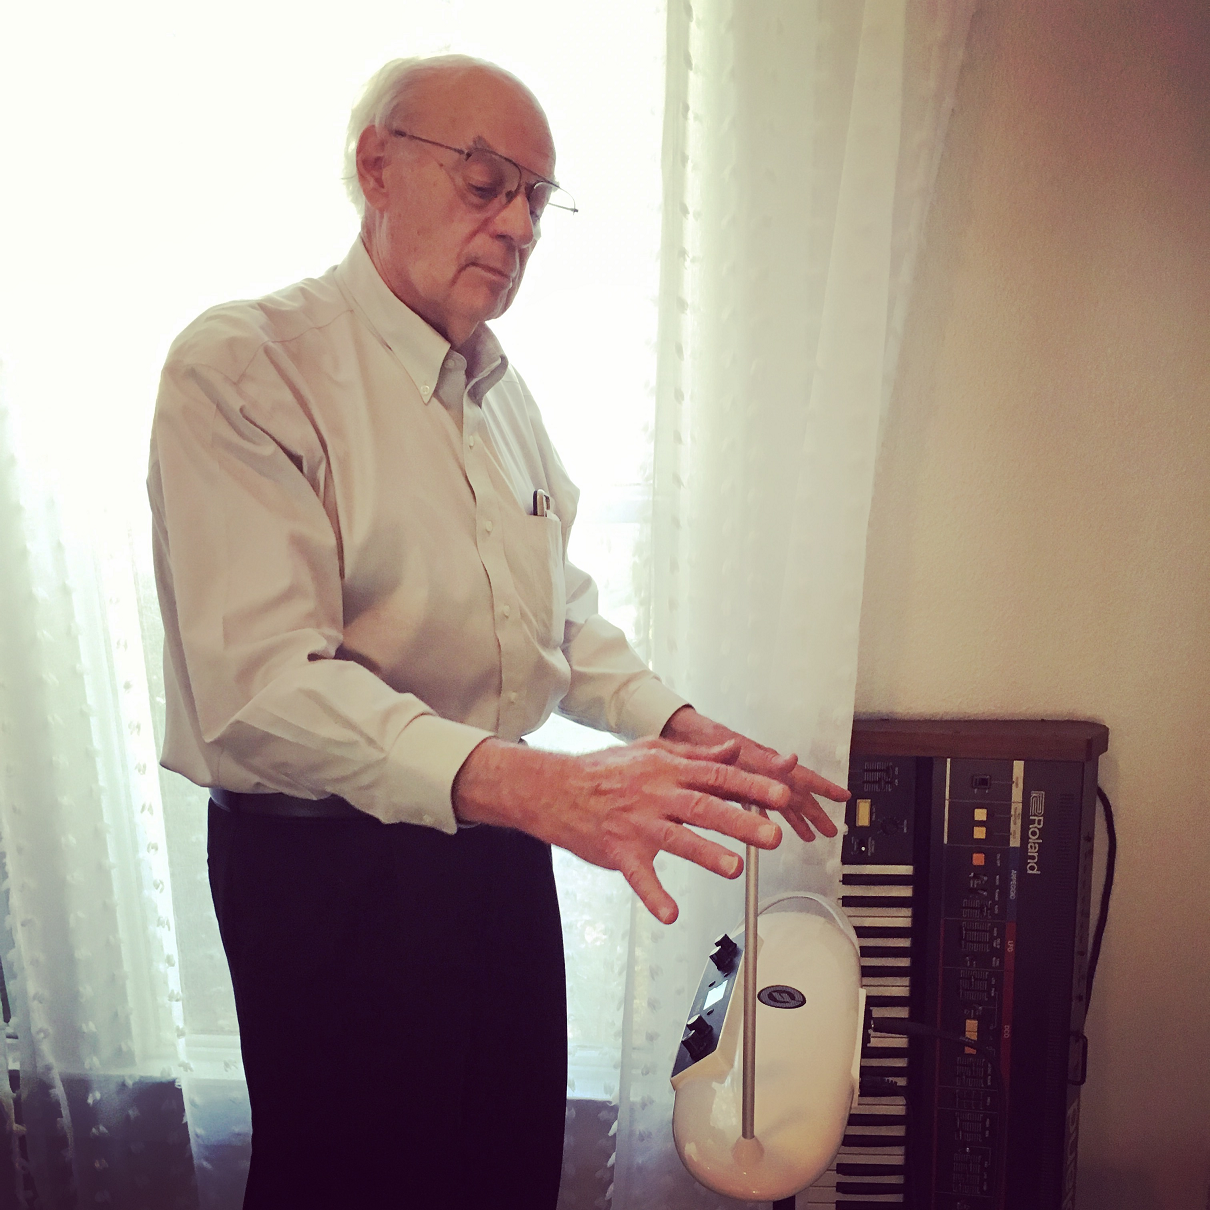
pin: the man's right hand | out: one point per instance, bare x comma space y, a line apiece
619, 807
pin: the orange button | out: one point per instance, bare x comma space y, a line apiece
977, 859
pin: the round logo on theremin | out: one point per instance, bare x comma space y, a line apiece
779, 995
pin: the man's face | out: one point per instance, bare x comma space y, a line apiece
453, 264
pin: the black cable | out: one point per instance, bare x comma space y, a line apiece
1111, 861
901, 1027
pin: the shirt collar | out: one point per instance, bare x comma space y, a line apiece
420, 348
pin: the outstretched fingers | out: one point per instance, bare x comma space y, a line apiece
681, 842
646, 885
733, 784
706, 811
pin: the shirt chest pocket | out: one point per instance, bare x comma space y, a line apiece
536, 562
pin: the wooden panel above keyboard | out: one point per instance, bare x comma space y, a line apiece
989, 739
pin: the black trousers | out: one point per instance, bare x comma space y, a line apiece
402, 1012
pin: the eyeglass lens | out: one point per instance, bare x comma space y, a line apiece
486, 176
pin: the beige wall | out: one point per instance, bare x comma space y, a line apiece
1040, 535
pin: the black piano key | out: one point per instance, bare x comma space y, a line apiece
872, 1140
883, 999
884, 930
885, 972
867, 1187
844, 1203
886, 951
877, 879
876, 901
871, 1169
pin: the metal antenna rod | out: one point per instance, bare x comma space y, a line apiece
751, 900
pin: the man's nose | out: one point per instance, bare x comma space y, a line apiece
515, 221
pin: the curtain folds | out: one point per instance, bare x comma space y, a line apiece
800, 146
89, 951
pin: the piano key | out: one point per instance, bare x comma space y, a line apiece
858, 868
887, 897
855, 879
885, 969
887, 1175
857, 892
897, 1118
846, 1203
880, 930
829, 1197
876, 1085
881, 1151
889, 999
888, 947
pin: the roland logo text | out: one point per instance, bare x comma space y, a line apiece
1033, 841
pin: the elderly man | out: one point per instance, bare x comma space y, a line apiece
360, 537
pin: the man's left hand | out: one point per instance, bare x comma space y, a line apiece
686, 726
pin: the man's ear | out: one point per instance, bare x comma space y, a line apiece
371, 166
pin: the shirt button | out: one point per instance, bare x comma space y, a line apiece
507, 611
487, 525
426, 391
512, 697
471, 442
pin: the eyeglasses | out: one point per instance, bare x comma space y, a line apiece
484, 176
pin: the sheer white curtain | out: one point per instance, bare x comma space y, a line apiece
160, 159
800, 147
168, 158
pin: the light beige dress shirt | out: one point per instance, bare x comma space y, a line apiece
355, 588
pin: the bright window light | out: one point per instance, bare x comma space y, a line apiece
162, 158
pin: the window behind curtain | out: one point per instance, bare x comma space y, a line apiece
162, 159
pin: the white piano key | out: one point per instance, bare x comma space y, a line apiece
829, 1197
827, 1182
892, 1153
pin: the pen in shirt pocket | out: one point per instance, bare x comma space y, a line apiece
541, 503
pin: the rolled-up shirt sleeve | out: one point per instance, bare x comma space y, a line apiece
248, 563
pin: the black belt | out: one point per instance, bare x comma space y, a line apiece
285, 806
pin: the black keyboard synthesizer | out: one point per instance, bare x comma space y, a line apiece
966, 872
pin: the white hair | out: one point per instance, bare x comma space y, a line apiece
387, 91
